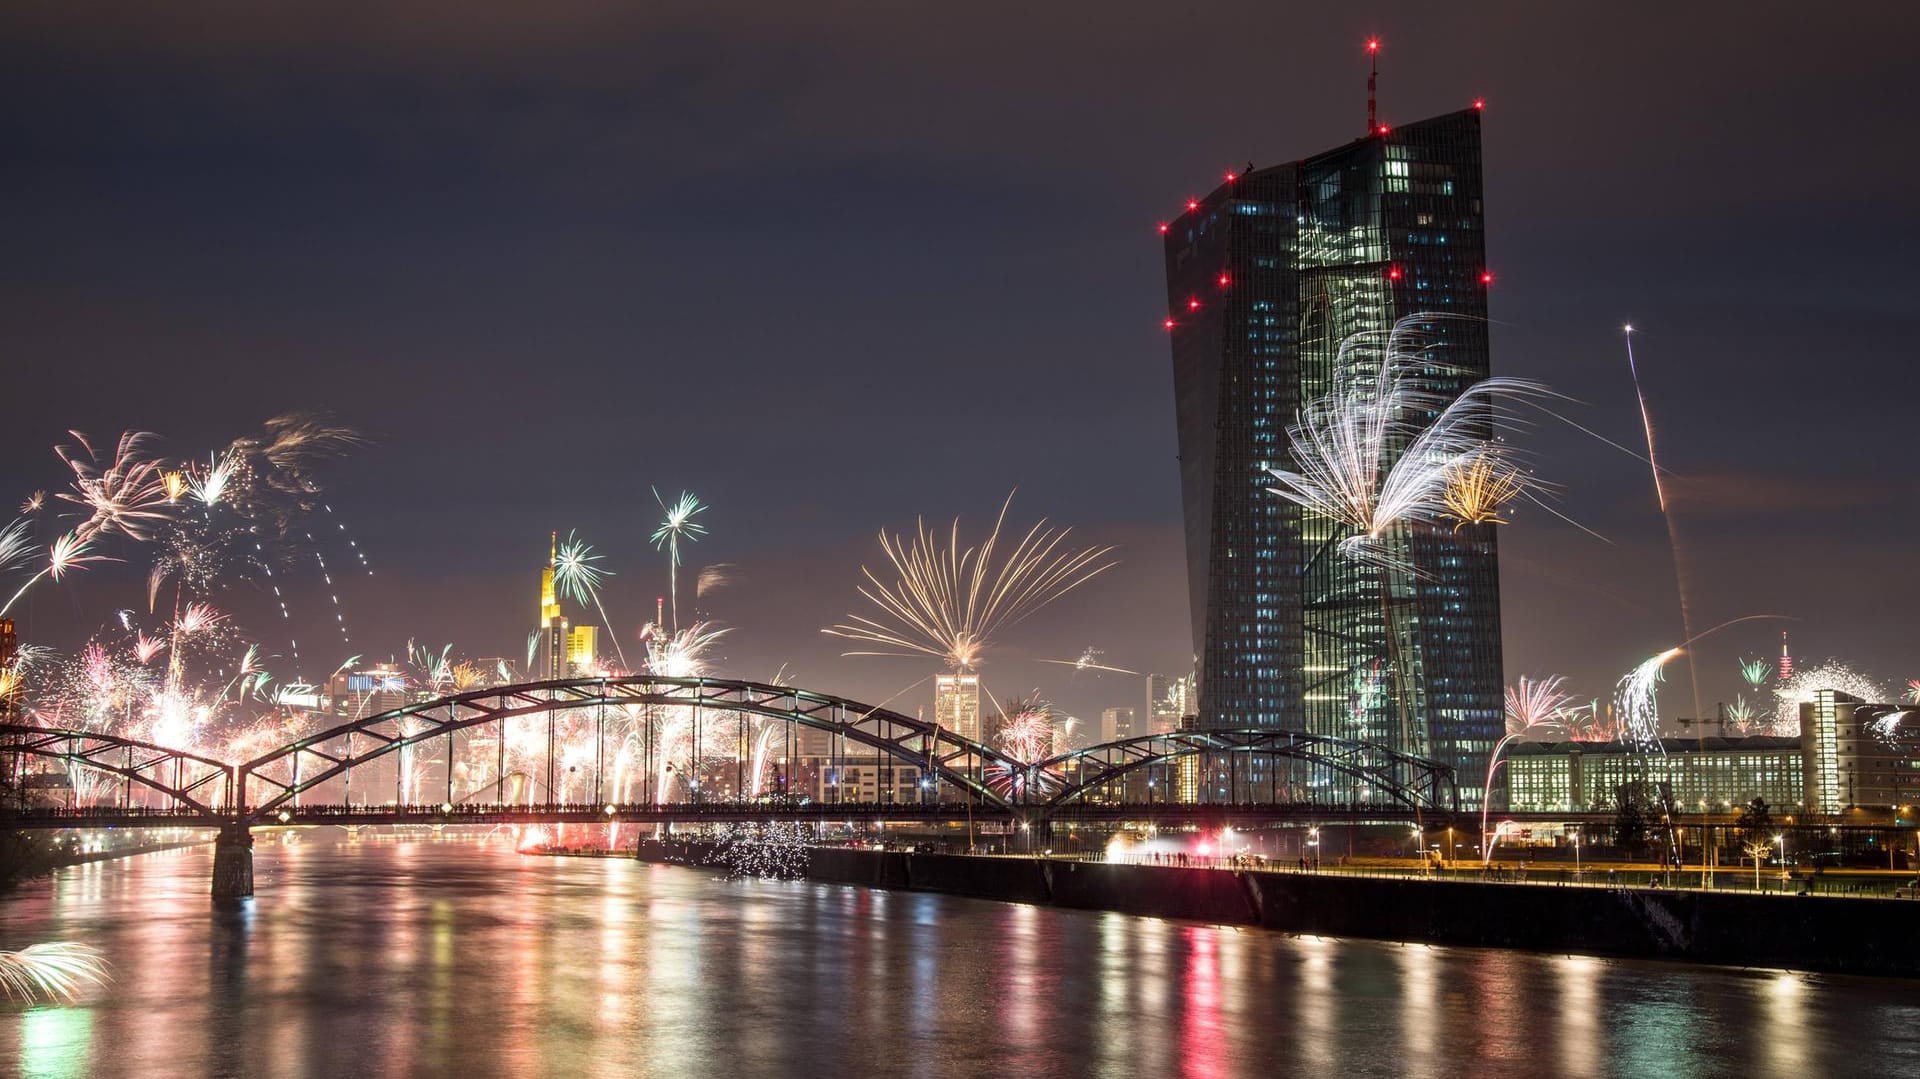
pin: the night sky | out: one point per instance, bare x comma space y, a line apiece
835, 269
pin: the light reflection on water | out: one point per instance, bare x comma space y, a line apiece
452, 956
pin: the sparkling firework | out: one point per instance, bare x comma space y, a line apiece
56, 971
1476, 489
1740, 714
1913, 690
1396, 407
1636, 704
1800, 689
679, 525
1887, 728
33, 503
1754, 672
950, 604
775, 851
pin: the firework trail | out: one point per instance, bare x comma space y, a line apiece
1089, 660
715, 577
1673, 534
950, 603
679, 525
1636, 704
57, 971
577, 573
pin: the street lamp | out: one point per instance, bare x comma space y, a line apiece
1576, 854
1313, 840
1417, 838
1781, 842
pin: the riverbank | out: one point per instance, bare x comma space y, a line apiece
1814, 933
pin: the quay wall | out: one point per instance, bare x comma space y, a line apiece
1840, 935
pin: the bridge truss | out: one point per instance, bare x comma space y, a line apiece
644, 745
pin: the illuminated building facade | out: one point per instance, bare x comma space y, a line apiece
550, 650
956, 704
1708, 774
1858, 754
1266, 276
1117, 723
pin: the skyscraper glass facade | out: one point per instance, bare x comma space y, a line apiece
1266, 277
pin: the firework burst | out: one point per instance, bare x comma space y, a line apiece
124, 492
1390, 441
1806, 682
57, 971
678, 526
950, 603
578, 574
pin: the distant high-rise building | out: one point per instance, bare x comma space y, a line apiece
9, 645
1267, 276
583, 653
551, 648
369, 690
956, 704
1116, 723
1168, 699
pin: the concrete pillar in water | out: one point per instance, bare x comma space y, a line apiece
233, 862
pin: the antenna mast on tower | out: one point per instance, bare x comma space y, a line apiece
1373, 83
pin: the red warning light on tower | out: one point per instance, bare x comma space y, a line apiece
1486, 277
1225, 280
1163, 228
1193, 204
1393, 273
1479, 102
1167, 325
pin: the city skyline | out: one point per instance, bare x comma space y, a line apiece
1556, 316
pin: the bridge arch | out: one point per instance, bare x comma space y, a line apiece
939, 752
145, 763
1412, 782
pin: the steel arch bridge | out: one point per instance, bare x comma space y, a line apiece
186, 778
1218, 766
1280, 772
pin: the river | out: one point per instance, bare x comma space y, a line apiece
456, 956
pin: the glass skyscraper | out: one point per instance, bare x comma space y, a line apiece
1266, 276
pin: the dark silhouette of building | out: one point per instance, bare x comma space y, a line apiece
1266, 277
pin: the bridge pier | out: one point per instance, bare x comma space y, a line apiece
233, 862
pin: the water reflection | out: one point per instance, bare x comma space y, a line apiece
449, 955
